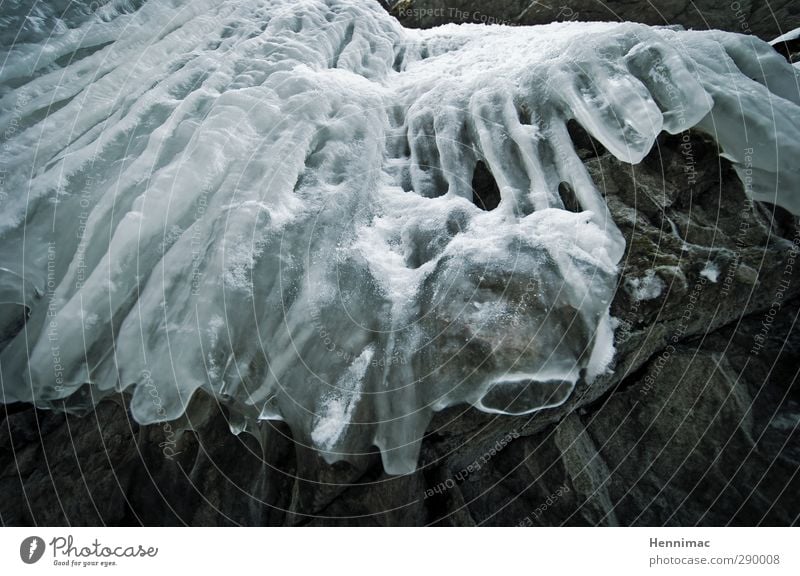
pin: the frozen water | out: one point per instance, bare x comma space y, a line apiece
273, 201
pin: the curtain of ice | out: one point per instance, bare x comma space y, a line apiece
272, 201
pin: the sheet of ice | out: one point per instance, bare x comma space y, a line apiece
272, 201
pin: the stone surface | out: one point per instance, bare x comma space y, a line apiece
698, 424
764, 18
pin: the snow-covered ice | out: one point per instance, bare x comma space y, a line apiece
272, 201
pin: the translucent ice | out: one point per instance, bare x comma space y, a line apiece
318, 216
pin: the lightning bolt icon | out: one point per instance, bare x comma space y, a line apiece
34, 546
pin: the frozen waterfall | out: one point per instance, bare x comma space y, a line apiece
273, 201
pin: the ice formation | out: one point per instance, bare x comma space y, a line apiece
272, 201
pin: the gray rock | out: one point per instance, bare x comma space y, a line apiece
764, 18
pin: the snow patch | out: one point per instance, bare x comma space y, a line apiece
274, 199
648, 287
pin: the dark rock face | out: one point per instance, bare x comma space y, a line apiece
698, 424
764, 18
